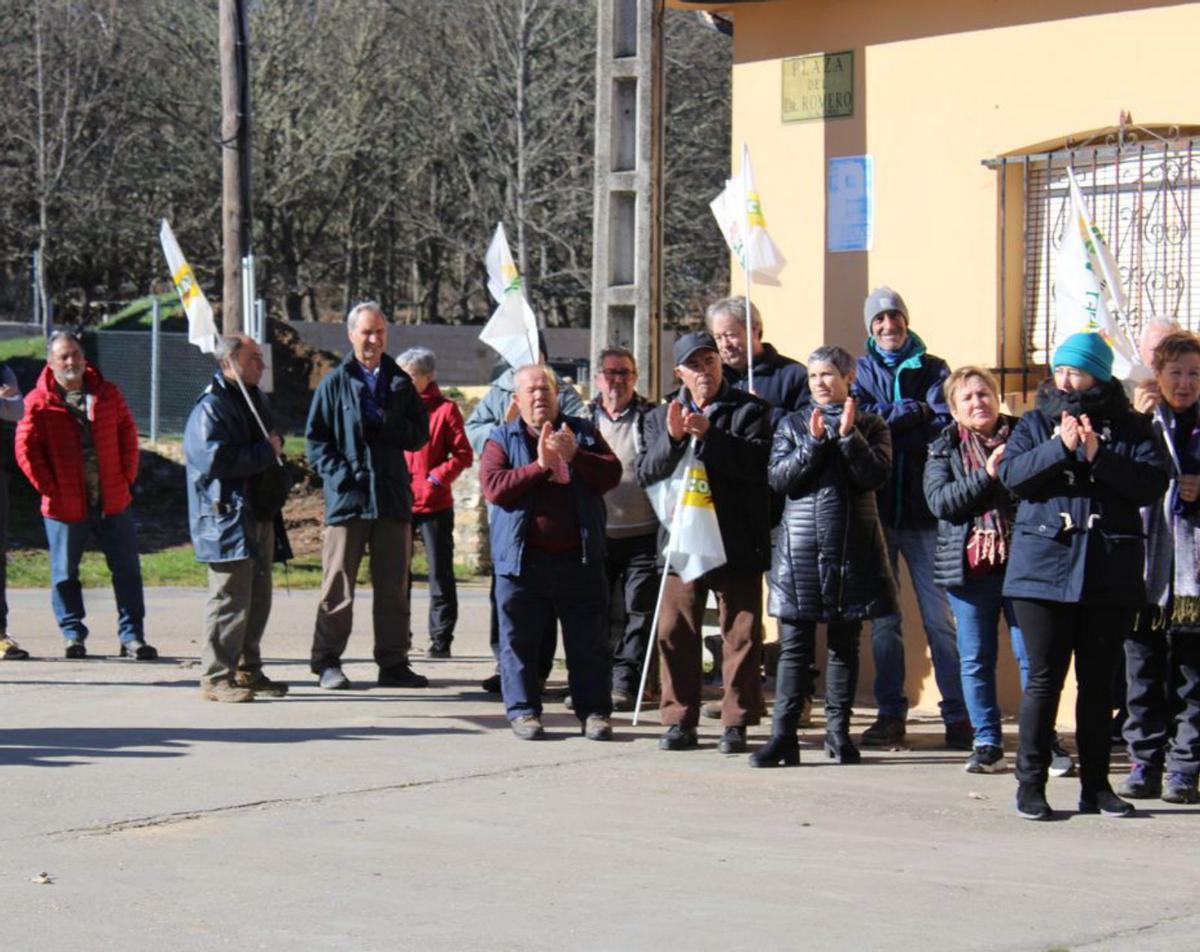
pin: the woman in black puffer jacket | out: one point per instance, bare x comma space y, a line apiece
1083, 462
830, 561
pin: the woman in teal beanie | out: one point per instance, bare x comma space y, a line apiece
1082, 463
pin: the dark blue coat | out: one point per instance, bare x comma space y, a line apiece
909, 398
365, 479
224, 450
508, 526
1078, 535
780, 381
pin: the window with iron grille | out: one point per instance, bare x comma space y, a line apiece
1142, 191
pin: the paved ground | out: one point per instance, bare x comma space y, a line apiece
388, 819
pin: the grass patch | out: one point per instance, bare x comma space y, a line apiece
30, 568
28, 347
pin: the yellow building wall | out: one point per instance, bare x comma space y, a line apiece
939, 86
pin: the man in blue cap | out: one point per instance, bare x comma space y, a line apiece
902, 382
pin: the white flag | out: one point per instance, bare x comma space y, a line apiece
683, 501
202, 331
512, 328
1088, 297
739, 213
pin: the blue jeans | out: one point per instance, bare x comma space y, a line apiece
977, 606
551, 586
887, 634
118, 540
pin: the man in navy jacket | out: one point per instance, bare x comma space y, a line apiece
236, 490
545, 475
902, 382
364, 415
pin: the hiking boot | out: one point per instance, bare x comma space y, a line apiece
75, 650
733, 741
678, 737
527, 727
225, 692
401, 676
1062, 764
138, 650
332, 679
884, 732
986, 759
437, 651
491, 684
1143, 783
597, 727
960, 736
1031, 802
622, 700
1104, 802
259, 683
10, 650
1180, 788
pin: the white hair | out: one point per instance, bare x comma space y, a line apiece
352, 317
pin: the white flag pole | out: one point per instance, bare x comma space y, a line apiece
749, 338
662, 585
253, 410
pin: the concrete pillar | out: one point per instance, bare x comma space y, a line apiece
627, 243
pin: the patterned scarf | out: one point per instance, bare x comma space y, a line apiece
990, 535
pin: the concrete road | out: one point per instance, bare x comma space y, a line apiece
387, 819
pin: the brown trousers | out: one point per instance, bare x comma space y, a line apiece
390, 544
239, 604
739, 597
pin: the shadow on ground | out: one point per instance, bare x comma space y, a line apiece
74, 746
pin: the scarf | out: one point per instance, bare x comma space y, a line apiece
1103, 403
991, 532
1184, 522
893, 358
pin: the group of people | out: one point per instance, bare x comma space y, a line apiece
1078, 523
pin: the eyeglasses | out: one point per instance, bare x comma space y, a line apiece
617, 373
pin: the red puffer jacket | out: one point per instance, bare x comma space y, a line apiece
50, 447
446, 454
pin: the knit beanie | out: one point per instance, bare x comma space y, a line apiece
1089, 352
880, 300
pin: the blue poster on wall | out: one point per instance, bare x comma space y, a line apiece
850, 203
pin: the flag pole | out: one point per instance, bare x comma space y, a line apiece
253, 410
662, 585
749, 338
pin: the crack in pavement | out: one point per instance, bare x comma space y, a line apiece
1136, 930
187, 816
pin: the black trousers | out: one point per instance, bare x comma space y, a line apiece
1162, 671
437, 535
633, 580
1054, 631
794, 676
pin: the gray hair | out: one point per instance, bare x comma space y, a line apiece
63, 334
544, 369
420, 359
352, 317
227, 347
832, 354
733, 307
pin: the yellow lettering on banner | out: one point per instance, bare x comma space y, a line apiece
185, 283
754, 212
697, 492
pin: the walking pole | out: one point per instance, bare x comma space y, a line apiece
662, 585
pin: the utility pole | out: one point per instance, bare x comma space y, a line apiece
235, 161
627, 237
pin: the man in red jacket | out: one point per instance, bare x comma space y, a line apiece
433, 468
77, 444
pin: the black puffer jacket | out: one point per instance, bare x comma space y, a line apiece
830, 561
956, 499
735, 455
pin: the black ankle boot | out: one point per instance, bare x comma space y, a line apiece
841, 748
782, 750
1031, 801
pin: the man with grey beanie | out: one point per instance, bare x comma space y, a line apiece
898, 379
